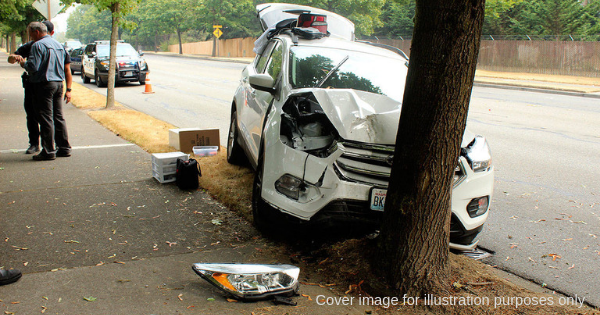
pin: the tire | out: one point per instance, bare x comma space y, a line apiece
260, 209
142, 79
99, 82
72, 71
84, 77
235, 153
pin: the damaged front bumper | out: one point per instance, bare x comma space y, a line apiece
337, 189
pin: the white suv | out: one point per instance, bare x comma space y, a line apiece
317, 114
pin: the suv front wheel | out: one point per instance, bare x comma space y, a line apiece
84, 78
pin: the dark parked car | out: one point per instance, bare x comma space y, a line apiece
76, 60
131, 67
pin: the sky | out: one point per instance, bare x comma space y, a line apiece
60, 21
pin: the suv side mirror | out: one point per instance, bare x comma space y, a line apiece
92, 54
262, 82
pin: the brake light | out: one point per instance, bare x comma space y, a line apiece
317, 21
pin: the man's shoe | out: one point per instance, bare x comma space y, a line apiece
44, 157
32, 149
9, 276
60, 153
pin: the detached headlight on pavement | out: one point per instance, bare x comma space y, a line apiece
251, 281
479, 155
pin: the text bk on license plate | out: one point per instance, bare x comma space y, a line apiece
377, 200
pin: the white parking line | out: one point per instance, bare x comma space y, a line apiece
76, 148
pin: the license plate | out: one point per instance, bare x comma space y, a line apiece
129, 73
377, 200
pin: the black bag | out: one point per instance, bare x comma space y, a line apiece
187, 174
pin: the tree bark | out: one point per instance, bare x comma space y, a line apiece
413, 246
179, 38
13, 42
110, 92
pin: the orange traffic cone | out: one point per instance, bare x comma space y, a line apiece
148, 85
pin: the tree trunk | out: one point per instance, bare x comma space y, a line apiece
413, 246
110, 93
24, 37
13, 42
180, 45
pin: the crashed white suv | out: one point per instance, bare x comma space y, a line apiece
317, 115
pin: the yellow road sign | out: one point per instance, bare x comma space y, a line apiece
217, 32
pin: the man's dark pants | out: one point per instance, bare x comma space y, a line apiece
32, 124
48, 107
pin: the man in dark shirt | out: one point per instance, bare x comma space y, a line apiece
32, 125
46, 67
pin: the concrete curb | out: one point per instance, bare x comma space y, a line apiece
532, 89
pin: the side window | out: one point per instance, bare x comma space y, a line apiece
264, 57
274, 67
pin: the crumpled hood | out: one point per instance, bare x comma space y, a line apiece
365, 117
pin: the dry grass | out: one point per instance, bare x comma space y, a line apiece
149, 133
230, 184
84, 98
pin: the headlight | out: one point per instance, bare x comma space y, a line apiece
479, 155
105, 64
289, 186
143, 65
251, 281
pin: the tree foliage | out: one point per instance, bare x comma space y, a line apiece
554, 17
88, 24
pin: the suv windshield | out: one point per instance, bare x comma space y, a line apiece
122, 50
310, 65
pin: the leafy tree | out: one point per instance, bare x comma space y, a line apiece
413, 245
15, 15
496, 16
397, 19
555, 17
88, 24
238, 18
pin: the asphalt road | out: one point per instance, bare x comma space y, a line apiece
543, 223
544, 220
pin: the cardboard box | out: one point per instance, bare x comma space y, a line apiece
186, 138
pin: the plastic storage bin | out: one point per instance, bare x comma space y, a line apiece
164, 165
205, 150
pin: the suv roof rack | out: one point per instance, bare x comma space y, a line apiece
388, 47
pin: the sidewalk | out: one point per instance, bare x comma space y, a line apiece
96, 225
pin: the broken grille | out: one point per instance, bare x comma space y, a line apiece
372, 164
